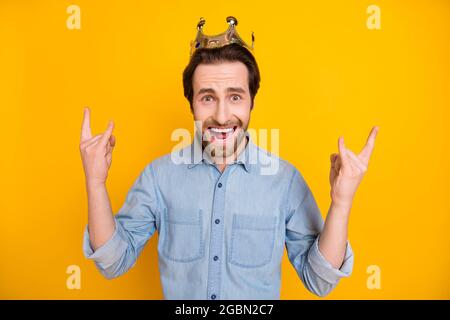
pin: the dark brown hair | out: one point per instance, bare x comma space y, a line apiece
232, 52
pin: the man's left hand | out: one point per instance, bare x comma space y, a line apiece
348, 169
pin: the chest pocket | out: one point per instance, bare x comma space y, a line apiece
182, 241
252, 240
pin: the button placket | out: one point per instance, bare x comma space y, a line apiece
216, 241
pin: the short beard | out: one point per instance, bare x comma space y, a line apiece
223, 153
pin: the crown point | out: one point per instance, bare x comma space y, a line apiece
232, 20
201, 23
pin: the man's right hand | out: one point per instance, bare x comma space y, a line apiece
96, 151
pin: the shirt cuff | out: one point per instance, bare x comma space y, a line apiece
323, 268
109, 253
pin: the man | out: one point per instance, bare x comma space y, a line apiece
222, 224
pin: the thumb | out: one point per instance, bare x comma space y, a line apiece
333, 157
112, 140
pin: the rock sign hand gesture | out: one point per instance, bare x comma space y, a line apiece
96, 151
348, 169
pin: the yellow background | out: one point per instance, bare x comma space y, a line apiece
324, 74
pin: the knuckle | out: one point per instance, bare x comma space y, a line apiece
90, 149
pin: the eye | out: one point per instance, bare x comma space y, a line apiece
207, 98
235, 97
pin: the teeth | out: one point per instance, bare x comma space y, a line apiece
225, 130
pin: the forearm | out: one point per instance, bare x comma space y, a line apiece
333, 238
100, 216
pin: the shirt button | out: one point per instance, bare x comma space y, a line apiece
213, 296
217, 221
216, 258
219, 185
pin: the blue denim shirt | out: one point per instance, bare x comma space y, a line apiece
221, 235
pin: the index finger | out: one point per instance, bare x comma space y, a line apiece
366, 152
104, 139
342, 151
86, 125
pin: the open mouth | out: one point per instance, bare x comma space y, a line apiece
221, 134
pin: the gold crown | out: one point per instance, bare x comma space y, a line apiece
228, 37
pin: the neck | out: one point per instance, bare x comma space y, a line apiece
225, 160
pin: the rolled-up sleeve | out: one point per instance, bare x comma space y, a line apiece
135, 223
303, 226
323, 267
108, 253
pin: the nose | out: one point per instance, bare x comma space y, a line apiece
222, 114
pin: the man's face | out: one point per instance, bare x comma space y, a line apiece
222, 103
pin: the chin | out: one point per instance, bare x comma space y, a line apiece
223, 145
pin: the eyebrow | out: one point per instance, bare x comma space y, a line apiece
229, 89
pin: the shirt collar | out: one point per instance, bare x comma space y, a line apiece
244, 157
